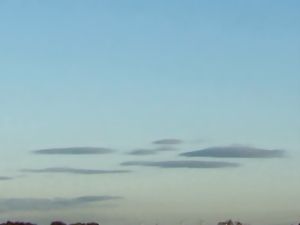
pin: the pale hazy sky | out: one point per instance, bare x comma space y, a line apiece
169, 112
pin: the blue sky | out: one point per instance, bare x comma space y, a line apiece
120, 75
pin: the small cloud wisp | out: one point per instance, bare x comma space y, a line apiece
141, 152
73, 151
5, 178
168, 141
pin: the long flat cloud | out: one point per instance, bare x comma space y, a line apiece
168, 141
5, 178
67, 170
181, 164
74, 151
235, 152
16, 204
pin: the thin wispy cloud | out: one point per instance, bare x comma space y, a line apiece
27, 204
67, 170
168, 141
235, 152
166, 148
182, 164
74, 151
143, 152
5, 178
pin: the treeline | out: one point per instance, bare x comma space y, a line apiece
53, 223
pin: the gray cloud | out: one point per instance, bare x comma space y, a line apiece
5, 178
143, 152
181, 164
74, 151
166, 148
235, 152
170, 141
74, 171
16, 204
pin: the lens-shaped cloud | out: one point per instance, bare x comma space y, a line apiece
67, 170
74, 151
235, 152
16, 204
168, 141
182, 164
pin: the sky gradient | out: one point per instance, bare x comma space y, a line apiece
144, 112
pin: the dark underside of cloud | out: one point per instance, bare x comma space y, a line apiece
16, 204
5, 178
169, 141
235, 152
181, 164
67, 170
73, 151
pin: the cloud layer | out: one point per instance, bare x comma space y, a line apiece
235, 152
181, 164
74, 151
74, 171
170, 141
16, 204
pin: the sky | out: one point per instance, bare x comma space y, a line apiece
150, 112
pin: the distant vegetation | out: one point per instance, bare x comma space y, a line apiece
228, 222
53, 223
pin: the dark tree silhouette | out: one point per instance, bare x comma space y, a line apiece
53, 223
17, 223
58, 223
